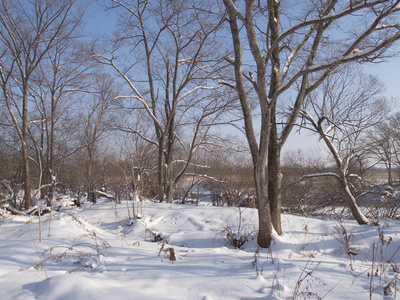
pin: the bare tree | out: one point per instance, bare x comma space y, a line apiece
96, 120
141, 160
28, 30
293, 47
55, 89
383, 143
173, 58
341, 111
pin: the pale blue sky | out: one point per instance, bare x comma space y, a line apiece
388, 72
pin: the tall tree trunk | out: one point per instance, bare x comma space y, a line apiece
258, 151
264, 237
50, 145
26, 177
90, 188
43, 157
135, 192
169, 176
274, 178
161, 170
24, 150
274, 147
389, 168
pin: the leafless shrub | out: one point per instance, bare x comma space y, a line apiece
83, 256
90, 233
121, 219
382, 202
225, 194
235, 187
169, 250
305, 283
258, 263
391, 288
255, 262
237, 238
383, 267
347, 240
310, 195
155, 236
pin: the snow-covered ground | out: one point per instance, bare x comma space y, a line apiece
94, 253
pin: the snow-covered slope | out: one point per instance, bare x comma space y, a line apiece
95, 253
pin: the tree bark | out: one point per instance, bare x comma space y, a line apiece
258, 151
355, 210
161, 171
275, 179
169, 151
51, 148
274, 147
264, 237
169, 188
24, 148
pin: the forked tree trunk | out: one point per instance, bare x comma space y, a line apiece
259, 148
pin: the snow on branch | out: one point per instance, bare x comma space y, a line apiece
195, 89
308, 176
227, 84
331, 16
205, 176
192, 164
138, 96
138, 132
